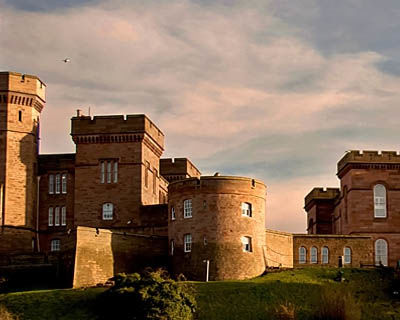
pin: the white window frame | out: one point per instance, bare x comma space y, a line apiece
115, 173
55, 245
187, 208
58, 184
56, 216
247, 209
380, 198
51, 217
109, 172
187, 242
108, 211
346, 255
302, 255
173, 216
64, 183
313, 255
246, 244
325, 255
63, 216
51, 183
381, 252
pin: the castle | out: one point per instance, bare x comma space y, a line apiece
116, 206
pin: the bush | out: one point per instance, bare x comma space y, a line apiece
337, 304
151, 296
6, 315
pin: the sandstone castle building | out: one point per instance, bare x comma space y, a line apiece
115, 205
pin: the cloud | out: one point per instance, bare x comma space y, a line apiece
242, 88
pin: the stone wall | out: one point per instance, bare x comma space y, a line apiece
279, 249
361, 249
101, 253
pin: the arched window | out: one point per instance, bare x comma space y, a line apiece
314, 255
325, 255
302, 255
381, 252
108, 209
347, 255
379, 201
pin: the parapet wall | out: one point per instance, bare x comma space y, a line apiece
279, 249
321, 194
117, 125
182, 167
367, 157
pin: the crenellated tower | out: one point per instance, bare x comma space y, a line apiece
22, 98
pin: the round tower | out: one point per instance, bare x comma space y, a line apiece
22, 98
220, 219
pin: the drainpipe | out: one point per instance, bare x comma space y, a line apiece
37, 213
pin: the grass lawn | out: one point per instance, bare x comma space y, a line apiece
251, 299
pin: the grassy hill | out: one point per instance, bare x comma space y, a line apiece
368, 295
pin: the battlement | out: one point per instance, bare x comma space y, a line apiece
320, 194
116, 125
178, 167
22, 83
368, 157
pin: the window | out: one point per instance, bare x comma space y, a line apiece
55, 245
173, 217
64, 183
381, 252
246, 242
187, 242
146, 174
57, 216
108, 209
109, 171
172, 247
58, 183
51, 184
302, 255
187, 208
154, 180
63, 216
379, 201
20, 115
246, 209
325, 255
314, 255
51, 223
347, 255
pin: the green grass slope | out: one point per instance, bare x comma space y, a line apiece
301, 290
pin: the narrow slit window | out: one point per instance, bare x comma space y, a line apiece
103, 170
109, 172
64, 183
20, 116
58, 183
115, 171
51, 223
57, 216
51, 184
63, 216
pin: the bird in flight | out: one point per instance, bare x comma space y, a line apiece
66, 60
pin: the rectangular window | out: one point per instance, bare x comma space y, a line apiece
146, 174
108, 209
154, 180
246, 209
57, 216
246, 242
109, 173
55, 245
347, 255
102, 171
115, 171
187, 208
187, 245
63, 216
173, 217
51, 184
64, 183
172, 247
51, 223
58, 183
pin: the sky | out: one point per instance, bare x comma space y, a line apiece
277, 90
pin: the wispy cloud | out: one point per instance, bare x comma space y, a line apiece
248, 88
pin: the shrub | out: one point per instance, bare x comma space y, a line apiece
337, 303
151, 296
6, 315
285, 311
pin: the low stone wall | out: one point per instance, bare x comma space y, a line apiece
279, 249
361, 249
102, 253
